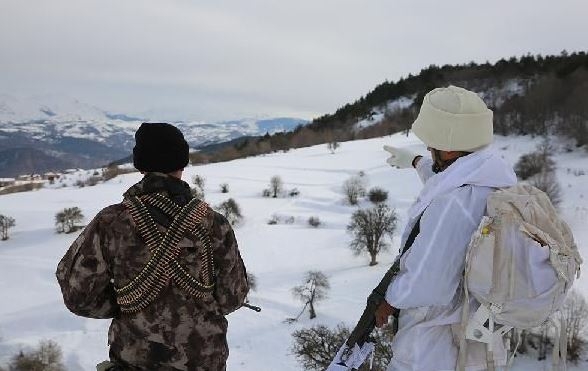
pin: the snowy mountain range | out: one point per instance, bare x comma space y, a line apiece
51, 133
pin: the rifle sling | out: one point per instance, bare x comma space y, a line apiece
367, 321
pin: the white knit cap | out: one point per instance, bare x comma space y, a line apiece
454, 119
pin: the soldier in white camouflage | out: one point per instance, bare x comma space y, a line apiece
163, 265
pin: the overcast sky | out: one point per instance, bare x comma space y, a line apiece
221, 59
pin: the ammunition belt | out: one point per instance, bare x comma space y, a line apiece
163, 265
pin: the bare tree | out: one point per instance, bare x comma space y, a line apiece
276, 186
66, 219
199, 181
333, 145
6, 223
369, 227
533, 163
536, 162
252, 280
354, 188
315, 347
224, 188
314, 221
46, 357
197, 192
313, 289
198, 189
231, 210
543, 343
547, 182
575, 313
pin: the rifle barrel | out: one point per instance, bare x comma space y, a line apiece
252, 307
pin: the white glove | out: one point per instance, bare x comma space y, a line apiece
401, 158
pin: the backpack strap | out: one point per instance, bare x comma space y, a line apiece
476, 329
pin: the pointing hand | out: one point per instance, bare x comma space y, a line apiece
399, 157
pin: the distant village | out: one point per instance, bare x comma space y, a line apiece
29, 182
27, 178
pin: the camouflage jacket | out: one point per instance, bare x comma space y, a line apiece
177, 331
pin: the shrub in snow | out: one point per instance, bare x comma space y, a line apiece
274, 220
315, 347
377, 195
314, 221
540, 340
547, 182
92, 181
46, 357
224, 188
369, 227
30, 186
112, 171
312, 290
333, 145
534, 163
294, 192
198, 189
575, 312
276, 186
66, 219
199, 181
252, 280
354, 188
266, 193
197, 192
6, 223
231, 210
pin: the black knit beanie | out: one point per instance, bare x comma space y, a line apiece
160, 147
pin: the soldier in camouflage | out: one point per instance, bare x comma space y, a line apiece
164, 266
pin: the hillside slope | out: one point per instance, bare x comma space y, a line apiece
278, 255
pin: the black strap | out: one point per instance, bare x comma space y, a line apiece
367, 322
412, 236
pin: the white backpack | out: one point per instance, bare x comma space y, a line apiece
521, 263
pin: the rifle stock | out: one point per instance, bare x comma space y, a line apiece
360, 345
367, 321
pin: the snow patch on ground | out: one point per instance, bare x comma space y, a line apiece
377, 115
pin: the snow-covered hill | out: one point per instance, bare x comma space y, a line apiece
81, 135
45, 117
278, 255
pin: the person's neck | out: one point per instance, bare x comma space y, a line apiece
176, 174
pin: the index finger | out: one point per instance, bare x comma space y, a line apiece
389, 148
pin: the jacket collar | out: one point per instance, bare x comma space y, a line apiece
482, 168
172, 187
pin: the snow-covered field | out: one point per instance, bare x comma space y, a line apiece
31, 307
